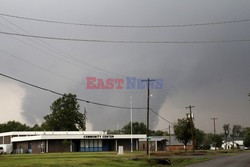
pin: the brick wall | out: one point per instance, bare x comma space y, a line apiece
21, 145
57, 146
143, 146
1, 140
126, 144
6, 139
36, 146
178, 147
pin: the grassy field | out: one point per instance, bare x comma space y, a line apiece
102, 159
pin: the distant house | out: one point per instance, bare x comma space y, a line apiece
230, 144
174, 144
156, 143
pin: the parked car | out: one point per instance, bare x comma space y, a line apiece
1, 150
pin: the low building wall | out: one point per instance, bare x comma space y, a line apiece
7, 148
178, 147
57, 146
5, 140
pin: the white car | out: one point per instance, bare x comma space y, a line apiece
1, 150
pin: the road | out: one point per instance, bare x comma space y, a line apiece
239, 160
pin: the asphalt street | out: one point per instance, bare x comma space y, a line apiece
239, 160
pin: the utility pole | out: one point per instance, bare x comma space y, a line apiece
148, 84
169, 133
214, 124
192, 125
214, 129
131, 123
234, 127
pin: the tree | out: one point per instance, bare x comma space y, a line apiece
137, 128
157, 133
44, 126
247, 139
65, 115
226, 128
199, 136
13, 126
245, 131
216, 140
237, 131
182, 130
36, 127
207, 143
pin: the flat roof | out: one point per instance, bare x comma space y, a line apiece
14, 133
69, 136
19, 136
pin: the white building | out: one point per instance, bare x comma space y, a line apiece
237, 144
66, 141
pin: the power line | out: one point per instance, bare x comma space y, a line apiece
39, 67
45, 51
61, 94
126, 26
82, 100
171, 126
124, 41
65, 57
161, 117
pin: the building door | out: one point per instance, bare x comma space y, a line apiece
75, 145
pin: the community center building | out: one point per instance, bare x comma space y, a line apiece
66, 141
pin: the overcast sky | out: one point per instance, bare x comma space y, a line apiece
214, 77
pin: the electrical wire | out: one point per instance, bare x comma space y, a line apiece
61, 94
123, 41
127, 26
160, 116
83, 100
65, 57
39, 67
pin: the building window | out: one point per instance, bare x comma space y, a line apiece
29, 145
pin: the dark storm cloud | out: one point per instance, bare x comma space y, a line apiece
213, 77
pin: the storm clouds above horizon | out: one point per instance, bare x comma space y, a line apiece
214, 77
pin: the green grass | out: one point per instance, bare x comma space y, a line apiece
102, 159
68, 160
